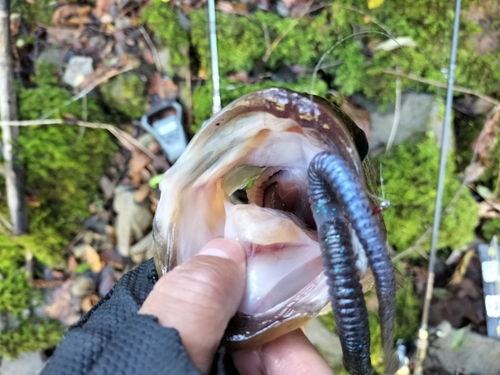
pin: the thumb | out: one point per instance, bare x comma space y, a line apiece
199, 297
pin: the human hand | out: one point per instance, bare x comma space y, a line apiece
199, 297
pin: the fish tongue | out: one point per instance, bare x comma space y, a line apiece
281, 258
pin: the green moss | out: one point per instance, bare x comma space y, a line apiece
63, 165
22, 330
34, 12
164, 21
410, 175
230, 91
490, 228
125, 94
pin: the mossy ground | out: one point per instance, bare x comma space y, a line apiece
243, 39
22, 330
410, 174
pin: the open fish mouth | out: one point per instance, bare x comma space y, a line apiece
283, 149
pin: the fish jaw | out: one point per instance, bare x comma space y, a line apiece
245, 140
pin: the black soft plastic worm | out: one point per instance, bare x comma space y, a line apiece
339, 203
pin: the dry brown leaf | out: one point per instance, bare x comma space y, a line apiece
487, 210
487, 140
63, 15
141, 193
232, 8
93, 259
137, 164
59, 35
238, 76
89, 302
461, 268
15, 23
102, 8
359, 115
164, 87
72, 263
46, 284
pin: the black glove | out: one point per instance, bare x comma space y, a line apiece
113, 339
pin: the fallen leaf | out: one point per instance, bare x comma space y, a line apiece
93, 259
238, 76
89, 302
487, 140
164, 87
392, 44
15, 23
232, 8
458, 338
485, 193
59, 35
473, 172
72, 263
359, 115
372, 4
487, 211
141, 193
461, 267
112, 257
63, 15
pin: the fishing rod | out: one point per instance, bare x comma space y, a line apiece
216, 106
423, 333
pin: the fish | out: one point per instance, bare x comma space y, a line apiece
309, 227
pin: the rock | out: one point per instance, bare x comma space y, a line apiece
83, 286
461, 350
52, 55
107, 280
164, 62
420, 113
26, 364
133, 218
78, 68
63, 306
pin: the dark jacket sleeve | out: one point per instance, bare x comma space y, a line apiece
113, 339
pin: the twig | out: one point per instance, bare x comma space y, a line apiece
372, 18
294, 23
5, 222
397, 115
124, 137
105, 77
464, 90
152, 47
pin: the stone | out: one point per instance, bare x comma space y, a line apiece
26, 364
133, 218
83, 286
420, 113
78, 68
462, 351
52, 55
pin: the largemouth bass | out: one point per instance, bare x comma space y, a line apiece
309, 228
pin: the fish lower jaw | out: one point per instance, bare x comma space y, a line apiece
282, 259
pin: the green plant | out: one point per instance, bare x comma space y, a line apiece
410, 178
63, 165
125, 94
490, 228
163, 19
22, 330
